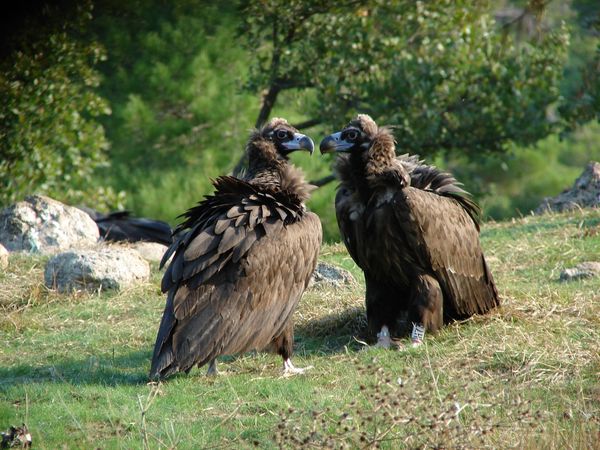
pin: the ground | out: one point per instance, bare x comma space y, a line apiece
74, 367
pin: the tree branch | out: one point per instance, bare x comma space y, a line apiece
267, 104
307, 124
323, 181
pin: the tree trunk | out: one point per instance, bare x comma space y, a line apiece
307, 124
268, 102
323, 181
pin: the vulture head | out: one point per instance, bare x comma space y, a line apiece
356, 137
268, 150
276, 140
372, 148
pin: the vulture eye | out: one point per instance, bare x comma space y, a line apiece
351, 135
281, 134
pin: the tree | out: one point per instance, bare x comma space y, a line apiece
442, 72
581, 102
50, 141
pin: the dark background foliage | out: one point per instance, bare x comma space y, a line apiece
138, 104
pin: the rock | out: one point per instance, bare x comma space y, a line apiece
583, 270
328, 275
108, 267
3, 257
150, 251
585, 193
42, 225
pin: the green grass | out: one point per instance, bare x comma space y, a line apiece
74, 367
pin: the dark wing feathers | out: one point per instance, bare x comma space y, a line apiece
229, 263
430, 178
439, 230
122, 226
449, 243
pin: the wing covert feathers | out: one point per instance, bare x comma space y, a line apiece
242, 260
395, 233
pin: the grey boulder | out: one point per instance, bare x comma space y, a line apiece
587, 269
585, 193
108, 267
328, 275
40, 224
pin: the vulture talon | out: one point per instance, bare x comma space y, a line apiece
290, 370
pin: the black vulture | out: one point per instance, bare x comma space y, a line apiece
413, 231
243, 259
122, 226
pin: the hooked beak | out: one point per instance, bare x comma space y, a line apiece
334, 143
299, 142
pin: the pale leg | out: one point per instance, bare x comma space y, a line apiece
212, 368
384, 339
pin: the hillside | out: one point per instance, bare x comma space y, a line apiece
74, 368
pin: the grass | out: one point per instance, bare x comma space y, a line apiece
74, 367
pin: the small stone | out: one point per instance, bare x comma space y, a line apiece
328, 275
587, 269
150, 251
110, 267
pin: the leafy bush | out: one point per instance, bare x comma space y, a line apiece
516, 183
50, 141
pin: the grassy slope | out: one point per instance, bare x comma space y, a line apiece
74, 367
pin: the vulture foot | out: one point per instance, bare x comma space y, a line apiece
212, 369
289, 369
384, 340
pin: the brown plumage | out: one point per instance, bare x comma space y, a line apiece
413, 231
242, 265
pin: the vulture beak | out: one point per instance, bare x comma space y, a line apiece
299, 142
334, 143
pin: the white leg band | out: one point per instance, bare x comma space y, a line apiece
418, 333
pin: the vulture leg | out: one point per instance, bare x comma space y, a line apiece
212, 368
427, 307
383, 310
384, 339
284, 346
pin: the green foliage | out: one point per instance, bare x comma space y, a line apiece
515, 183
179, 118
442, 72
50, 140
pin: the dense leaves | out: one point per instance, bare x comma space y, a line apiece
443, 72
50, 141
465, 81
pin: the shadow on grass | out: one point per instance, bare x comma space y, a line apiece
128, 369
330, 334
341, 332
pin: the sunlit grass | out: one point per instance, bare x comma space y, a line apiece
74, 367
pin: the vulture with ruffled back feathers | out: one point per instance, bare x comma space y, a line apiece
412, 230
243, 259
